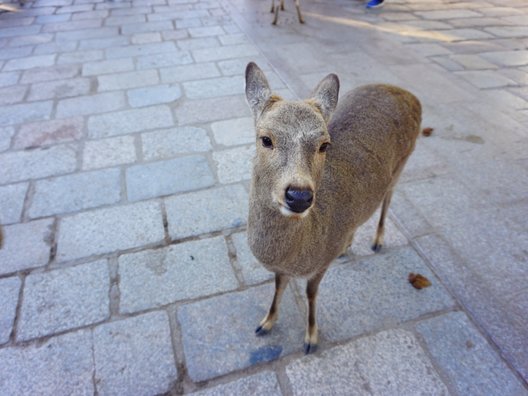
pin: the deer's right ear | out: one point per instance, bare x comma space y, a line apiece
258, 92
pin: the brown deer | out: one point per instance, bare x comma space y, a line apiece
317, 177
275, 10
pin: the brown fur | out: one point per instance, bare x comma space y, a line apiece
372, 133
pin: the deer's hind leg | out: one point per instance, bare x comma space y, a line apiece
281, 281
298, 7
380, 232
311, 338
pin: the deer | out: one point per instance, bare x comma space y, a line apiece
321, 170
275, 10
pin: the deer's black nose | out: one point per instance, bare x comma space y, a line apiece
298, 199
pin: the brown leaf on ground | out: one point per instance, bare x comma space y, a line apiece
418, 281
427, 131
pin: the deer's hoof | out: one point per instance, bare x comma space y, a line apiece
261, 331
309, 348
377, 247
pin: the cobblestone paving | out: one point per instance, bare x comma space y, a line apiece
125, 149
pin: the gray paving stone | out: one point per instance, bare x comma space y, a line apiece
24, 165
189, 72
127, 80
129, 121
90, 15
219, 344
125, 20
234, 164
508, 31
206, 211
388, 363
168, 143
264, 383
233, 39
109, 152
466, 358
198, 43
138, 50
205, 31
251, 270
59, 89
42, 19
48, 132
19, 31
12, 202
90, 104
57, 72
507, 58
109, 230
134, 356
152, 95
361, 308
108, 66
448, 14
472, 62
146, 38
213, 109
153, 278
80, 57
85, 34
12, 94
80, 191
221, 53
25, 112
104, 42
222, 86
29, 62
71, 25
234, 132
486, 79
64, 299
9, 290
6, 133
157, 26
168, 177
26, 245
58, 366
16, 52
164, 60
10, 78
234, 67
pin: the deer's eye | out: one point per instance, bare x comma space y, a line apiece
323, 147
266, 142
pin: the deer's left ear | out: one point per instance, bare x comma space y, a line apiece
325, 95
258, 91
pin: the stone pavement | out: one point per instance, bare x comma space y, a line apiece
125, 149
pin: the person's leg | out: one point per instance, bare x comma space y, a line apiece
375, 3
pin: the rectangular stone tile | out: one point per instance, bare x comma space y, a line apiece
466, 358
75, 8
17, 52
139, 50
147, 27
206, 31
12, 94
109, 152
19, 31
32, 39
9, 290
112, 82
12, 202
59, 89
215, 344
368, 308
168, 143
507, 58
163, 60
157, 94
234, 164
128, 10
222, 86
26, 245
486, 79
35, 164
110, 229
198, 43
58, 72
233, 39
42, 19
109, 66
98, 14
58, 366
6, 134
508, 31
64, 299
80, 57
125, 20
221, 53
251, 270
17, 22
234, 132
85, 34
189, 72
73, 25
264, 383
472, 62
25, 112
92, 104
129, 121
7, 79
146, 38
153, 278
48, 132
75, 192
104, 42
134, 356
213, 109
388, 363
448, 14
234, 67
54, 47
206, 211
29, 62
157, 179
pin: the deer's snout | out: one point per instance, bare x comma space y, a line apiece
298, 199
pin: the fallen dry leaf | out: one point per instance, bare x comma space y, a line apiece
418, 281
427, 131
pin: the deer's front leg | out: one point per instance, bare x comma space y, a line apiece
281, 281
311, 337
